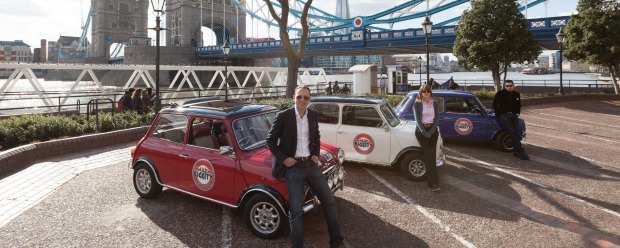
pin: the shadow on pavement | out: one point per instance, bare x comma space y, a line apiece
199, 223
364, 229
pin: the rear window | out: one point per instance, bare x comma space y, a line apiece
328, 113
171, 127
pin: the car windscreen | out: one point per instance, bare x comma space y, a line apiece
389, 114
403, 102
251, 132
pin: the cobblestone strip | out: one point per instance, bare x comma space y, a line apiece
26, 188
600, 238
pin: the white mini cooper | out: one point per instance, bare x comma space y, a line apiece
368, 130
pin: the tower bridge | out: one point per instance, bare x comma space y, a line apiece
120, 21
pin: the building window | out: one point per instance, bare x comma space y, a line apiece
111, 7
123, 8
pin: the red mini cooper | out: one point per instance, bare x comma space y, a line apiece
215, 150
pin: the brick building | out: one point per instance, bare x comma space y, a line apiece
15, 51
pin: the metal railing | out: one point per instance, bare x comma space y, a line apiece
585, 83
30, 102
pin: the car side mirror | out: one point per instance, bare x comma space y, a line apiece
386, 127
226, 150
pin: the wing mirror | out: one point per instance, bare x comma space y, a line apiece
386, 127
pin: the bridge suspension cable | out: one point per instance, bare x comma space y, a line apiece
322, 21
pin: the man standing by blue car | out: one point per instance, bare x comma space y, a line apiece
507, 106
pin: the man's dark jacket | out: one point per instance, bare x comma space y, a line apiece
284, 130
506, 101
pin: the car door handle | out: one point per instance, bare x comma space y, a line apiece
183, 155
341, 132
447, 118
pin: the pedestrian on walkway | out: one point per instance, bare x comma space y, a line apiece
147, 103
294, 140
453, 85
507, 106
136, 101
336, 88
328, 89
426, 113
126, 99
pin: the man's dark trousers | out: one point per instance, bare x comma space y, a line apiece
296, 177
510, 122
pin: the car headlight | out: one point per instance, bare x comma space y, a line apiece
340, 173
330, 181
340, 156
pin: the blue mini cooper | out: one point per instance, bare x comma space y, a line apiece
463, 117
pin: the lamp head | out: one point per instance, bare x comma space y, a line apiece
158, 5
560, 36
427, 25
226, 48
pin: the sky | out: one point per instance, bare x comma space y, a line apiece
33, 20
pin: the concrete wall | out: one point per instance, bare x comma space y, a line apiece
21, 157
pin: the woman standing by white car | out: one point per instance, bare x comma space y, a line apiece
427, 115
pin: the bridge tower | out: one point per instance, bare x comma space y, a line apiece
342, 11
183, 20
117, 21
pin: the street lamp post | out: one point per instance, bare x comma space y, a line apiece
226, 50
561, 36
420, 72
158, 8
427, 26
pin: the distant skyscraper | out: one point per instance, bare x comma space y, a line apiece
342, 11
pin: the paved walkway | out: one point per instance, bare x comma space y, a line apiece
26, 188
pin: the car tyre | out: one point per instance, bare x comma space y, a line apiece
145, 181
413, 167
264, 217
503, 141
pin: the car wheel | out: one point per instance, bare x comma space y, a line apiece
504, 143
264, 217
144, 181
413, 167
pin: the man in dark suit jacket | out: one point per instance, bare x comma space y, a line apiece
295, 141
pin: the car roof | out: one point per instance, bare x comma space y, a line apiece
349, 99
215, 106
444, 93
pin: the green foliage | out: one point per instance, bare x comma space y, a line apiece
484, 95
492, 35
281, 103
17, 131
593, 35
392, 99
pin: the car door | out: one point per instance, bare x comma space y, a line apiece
202, 169
362, 135
165, 146
464, 119
329, 114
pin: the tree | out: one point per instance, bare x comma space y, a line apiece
492, 35
593, 35
293, 57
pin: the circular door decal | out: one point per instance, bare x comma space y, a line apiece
363, 143
463, 126
358, 21
203, 174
